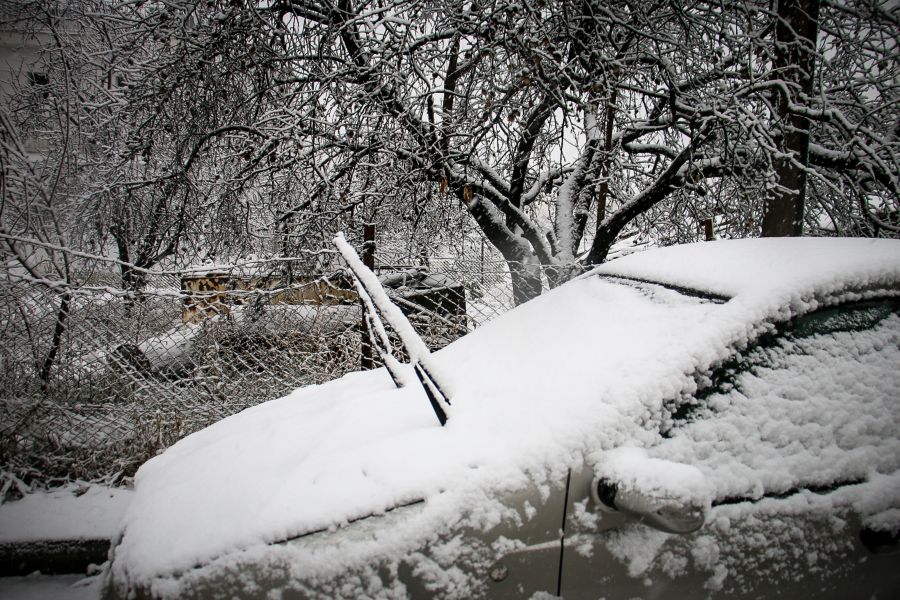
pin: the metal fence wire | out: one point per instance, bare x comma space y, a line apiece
95, 379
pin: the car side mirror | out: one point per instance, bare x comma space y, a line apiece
672, 497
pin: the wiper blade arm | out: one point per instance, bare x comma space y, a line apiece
375, 302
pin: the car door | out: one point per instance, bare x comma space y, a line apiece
797, 436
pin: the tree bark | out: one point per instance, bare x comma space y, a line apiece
795, 53
58, 331
526, 281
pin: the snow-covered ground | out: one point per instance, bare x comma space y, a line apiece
74, 512
50, 587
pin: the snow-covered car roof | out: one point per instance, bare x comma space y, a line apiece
774, 267
583, 368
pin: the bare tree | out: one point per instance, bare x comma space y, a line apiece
38, 178
557, 128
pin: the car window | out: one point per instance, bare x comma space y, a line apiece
849, 317
812, 405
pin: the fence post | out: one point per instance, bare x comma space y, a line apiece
482, 261
368, 257
708, 229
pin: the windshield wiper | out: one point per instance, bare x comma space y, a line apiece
377, 305
684, 291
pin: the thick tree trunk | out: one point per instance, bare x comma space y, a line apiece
795, 53
526, 281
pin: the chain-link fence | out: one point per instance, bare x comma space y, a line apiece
95, 379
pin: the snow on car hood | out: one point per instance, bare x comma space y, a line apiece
581, 368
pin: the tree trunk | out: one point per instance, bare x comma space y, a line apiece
526, 281
795, 53
58, 331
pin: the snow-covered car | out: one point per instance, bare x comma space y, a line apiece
717, 419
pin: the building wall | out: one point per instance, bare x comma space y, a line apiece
23, 65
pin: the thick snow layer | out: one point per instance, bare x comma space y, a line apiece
580, 370
69, 513
526, 399
765, 266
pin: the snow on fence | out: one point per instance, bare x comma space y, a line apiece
94, 380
